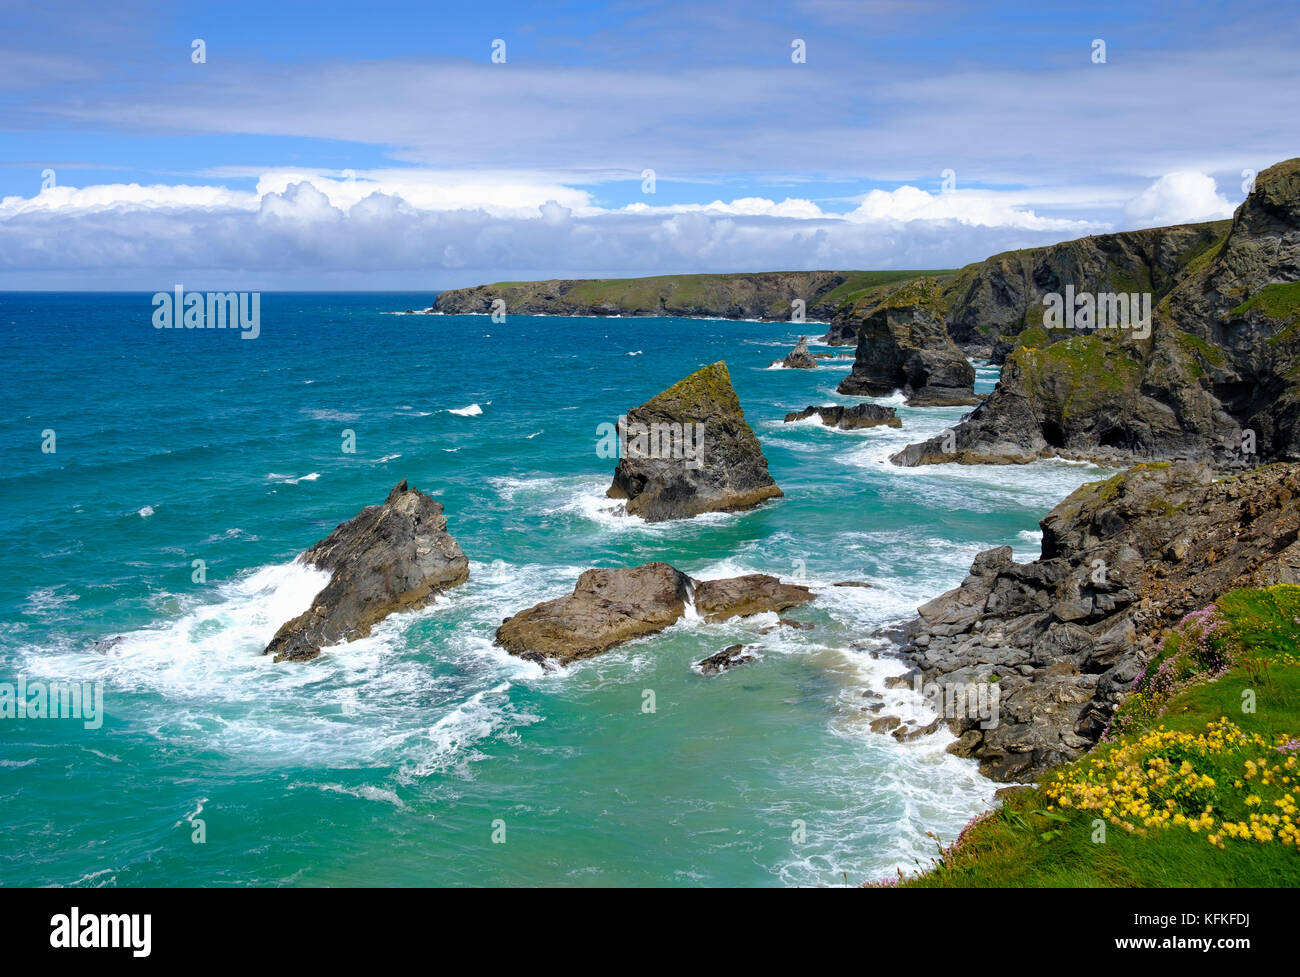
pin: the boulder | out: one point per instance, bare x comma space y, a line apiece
720, 466
392, 557
754, 593
610, 607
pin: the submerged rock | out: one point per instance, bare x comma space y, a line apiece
689, 450
849, 418
610, 607
726, 659
392, 557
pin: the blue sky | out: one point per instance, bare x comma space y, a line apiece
333, 145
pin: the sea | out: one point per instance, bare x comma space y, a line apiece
159, 484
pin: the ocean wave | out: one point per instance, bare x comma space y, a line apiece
473, 410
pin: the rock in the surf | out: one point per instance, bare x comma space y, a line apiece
849, 418
726, 659
799, 358
754, 593
392, 557
689, 450
610, 607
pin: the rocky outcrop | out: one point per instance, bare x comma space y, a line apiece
1062, 638
1214, 376
716, 466
392, 557
903, 344
849, 418
799, 358
992, 301
610, 607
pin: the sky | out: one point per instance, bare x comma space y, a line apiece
421, 146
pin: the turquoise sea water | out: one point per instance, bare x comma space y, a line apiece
390, 760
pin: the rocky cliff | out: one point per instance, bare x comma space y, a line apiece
1215, 375
992, 301
1064, 637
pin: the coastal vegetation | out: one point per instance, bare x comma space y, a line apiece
1197, 783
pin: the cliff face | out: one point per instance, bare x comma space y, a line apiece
988, 303
993, 300
750, 296
1063, 637
1217, 379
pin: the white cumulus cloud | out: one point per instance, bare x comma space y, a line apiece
1179, 198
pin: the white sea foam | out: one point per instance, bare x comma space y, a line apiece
473, 410
325, 414
291, 479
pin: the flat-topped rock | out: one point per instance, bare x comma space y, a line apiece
392, 557
754, 593
610, 607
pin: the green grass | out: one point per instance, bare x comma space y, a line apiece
860, 283
1033, 840
1280, 301
1087, 370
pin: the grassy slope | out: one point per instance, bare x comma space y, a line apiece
1036, 840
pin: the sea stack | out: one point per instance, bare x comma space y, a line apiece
392, 557
904, 345
689, 450
799, 358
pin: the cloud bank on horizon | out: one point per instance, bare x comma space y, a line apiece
402, 147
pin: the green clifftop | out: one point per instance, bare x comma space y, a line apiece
762, 295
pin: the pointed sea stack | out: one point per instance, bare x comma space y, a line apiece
799, 358
689, 450
392, 557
